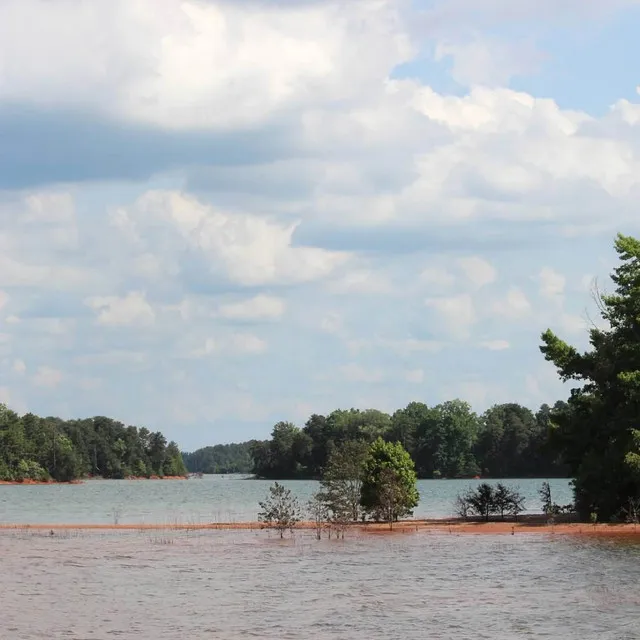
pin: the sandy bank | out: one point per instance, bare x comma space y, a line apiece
408, 526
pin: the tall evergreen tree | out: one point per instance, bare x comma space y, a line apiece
599, 431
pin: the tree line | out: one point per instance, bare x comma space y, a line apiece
42, 449
221, 458
448, 440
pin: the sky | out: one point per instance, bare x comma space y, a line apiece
215, 215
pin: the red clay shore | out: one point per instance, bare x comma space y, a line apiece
406, 526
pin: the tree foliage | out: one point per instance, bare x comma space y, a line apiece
388, 489
486, 500
448, 440
221, 458
35, 448
342, 481
280, 510
597, 431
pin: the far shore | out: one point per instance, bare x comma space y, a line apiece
533, 524
28, 482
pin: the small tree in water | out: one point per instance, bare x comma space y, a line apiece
389, 482
319, 512
280, 510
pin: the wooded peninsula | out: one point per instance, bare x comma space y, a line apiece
448, 440
43, 449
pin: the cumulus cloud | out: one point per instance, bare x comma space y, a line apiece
245, 248
223, 64
477, 270
513, 306
457, 314
173, 172
552, 284
256, 308
47, 377
132, 309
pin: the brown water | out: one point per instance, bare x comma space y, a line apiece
158, 585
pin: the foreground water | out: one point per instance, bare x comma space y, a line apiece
197, 585
210, 499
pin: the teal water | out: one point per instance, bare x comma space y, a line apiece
228, 498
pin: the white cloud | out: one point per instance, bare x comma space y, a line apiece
488, 61
132, 309
457, 313
364, 281
353, 372
495, 345
552, 284
189, 64
4, 298
478, 271
47, 377
332, 323
49, 207
438, 278
247, 343
248, 249
515, 305
234, 343
256, 308
308, 170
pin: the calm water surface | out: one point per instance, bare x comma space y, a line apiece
211, 499
231, 585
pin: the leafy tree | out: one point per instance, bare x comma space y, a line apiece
597, 432
482, 501
221, 458
280, 510
508, 501
342, 480
388, 474
35, 448
318, 512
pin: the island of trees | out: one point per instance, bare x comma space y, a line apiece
42, 449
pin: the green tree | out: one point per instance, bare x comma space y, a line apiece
597, 432
342, 481
280, 510
482, 501
388, 463
505, 441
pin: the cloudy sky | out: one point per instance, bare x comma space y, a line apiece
218, 214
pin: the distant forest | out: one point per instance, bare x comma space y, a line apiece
221, 458
448, 440
41, 449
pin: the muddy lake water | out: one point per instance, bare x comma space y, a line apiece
171, 584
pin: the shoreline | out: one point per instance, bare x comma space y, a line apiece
28, 482
440, 526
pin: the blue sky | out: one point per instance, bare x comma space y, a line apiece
218, 215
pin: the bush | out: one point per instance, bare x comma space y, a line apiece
487, 500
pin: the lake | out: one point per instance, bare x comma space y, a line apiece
248, 584
229, 498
